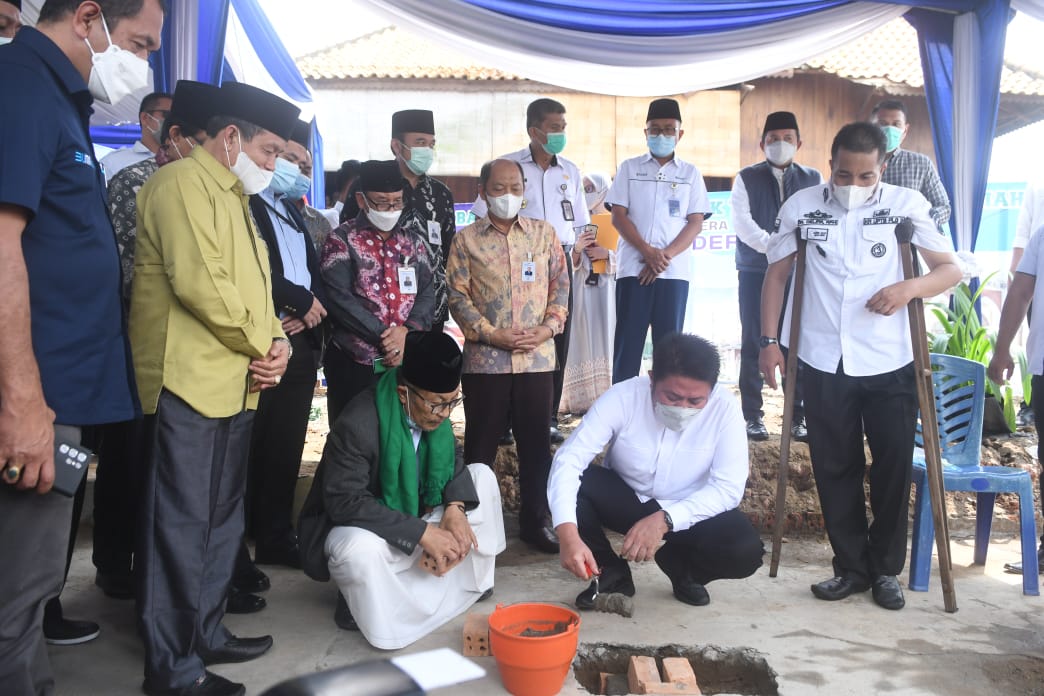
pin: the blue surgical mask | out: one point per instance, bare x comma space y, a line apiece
892, 136
285, 178
662, 145
300, 187
556, 142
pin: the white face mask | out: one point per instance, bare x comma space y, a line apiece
505, 207
595, 198
851, 197
677, 418
5, 40
385, 221
115, 73
780, 152
254, 178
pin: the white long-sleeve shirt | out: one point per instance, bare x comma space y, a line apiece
694, 474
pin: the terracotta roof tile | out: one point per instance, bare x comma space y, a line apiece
887, 57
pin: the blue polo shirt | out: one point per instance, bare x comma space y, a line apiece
47, 167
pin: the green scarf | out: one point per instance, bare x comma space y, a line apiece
398, 465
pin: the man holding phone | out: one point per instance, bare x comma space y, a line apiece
64, 361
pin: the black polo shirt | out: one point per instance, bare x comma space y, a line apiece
47, 167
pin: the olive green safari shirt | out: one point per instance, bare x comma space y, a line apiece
201, 302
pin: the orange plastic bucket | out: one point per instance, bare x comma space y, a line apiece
534, 645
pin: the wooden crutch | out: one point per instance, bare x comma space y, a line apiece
929, 419
789, 386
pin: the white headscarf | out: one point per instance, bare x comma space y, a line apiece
601, 183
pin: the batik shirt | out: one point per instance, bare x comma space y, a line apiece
429, 215
361, 271
123, 208
499, 281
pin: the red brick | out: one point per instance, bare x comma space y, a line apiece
476, 635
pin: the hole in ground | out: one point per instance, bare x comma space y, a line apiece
718, 670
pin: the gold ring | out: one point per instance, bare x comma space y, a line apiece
13, 472
277, 378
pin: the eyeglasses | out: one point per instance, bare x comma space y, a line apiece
384, 207
439, 406
661, 131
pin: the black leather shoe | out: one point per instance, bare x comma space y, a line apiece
542, 538
756, 430
251, 579
485, 595
837, 588
798, 431
115, 585
685, 588
556, 435
243, 602
343, 615
624, 586
237, 650
284, 553
209, 684
63, 631
887, 592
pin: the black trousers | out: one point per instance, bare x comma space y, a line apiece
276, 443
1038, 421
345, 379
192, 527
750, 381
562, 343
723, 546
839, 409
660, 305
117, 496
34, 536
490, 402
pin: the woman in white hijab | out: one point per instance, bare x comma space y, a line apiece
589, 368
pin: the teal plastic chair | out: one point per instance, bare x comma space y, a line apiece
960, 392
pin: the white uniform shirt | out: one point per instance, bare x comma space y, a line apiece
1032, 263
291, 242
743, 223
647, 190
1031, 214
122, 158
694, 474
850, 256
545, 192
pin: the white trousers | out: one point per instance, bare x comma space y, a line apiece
393, 600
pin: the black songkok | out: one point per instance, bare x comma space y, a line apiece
664, 108
193, 104
432, 361
413, 121
380, 176
261, 108
780, 120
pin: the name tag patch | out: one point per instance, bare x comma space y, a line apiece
882, 220
816, 234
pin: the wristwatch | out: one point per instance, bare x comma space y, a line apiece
767, 341
289, 346
668, 520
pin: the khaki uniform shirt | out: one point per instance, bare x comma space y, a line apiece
201, 303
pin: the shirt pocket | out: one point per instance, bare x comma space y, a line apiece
877, 250
824, 249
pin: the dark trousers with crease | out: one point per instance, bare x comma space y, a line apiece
491, 401
1037, 387
276, 443
660, 305
192, 526
562, 343
34, 537
345, 379
839, 409
723, 546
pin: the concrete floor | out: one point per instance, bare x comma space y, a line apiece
993, 644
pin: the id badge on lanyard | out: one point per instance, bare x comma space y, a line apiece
529, 269
434, 233
567, 205
407, 279
673, 203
